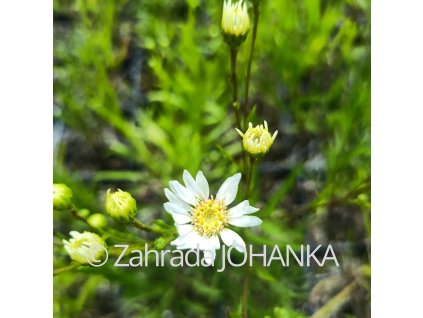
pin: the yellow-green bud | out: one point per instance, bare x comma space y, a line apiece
62, 196
257, 140
97, 220
235, 22
84, 213
85, 247
120, 205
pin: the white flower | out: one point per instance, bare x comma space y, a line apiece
85, 246
200, 218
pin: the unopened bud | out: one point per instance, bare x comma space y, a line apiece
62, 196
97, 220
120, 205
235, 22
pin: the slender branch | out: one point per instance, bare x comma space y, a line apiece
251, 167
139, 225
256, 7
60, 270
234, 79
234, 53
74, 212
245, 289
313, 205
244, 299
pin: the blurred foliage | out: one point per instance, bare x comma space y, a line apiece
141, 92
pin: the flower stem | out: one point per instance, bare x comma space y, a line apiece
251, 167
74, 212
244, 298
234, 78
256, 8
139, 225
72, 266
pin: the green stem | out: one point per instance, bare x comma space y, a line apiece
244, 299
234, 79
251, 167
72, 266
139, 225
74, 212
256, 8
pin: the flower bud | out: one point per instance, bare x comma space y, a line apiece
235, 22
83, 213
85, 247
62, 196
120, 205
97, 220
257, 140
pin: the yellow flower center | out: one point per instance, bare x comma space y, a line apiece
209, 217
78, 243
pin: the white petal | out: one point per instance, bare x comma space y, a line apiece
75, 234
173, 198
187, 240
182, 192
192, 185
210, 243
202, 183
181, 219
245, 221
179, 242
243, 208
190, 240
174, 208
184, 229
230, 238
229, 188
209, 257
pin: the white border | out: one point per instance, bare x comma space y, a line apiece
26, 157
397, 158
26, 29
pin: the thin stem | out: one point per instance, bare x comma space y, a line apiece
251, 167
234, 78
139, 225
72, 266
74, 212
244, 298
256, 7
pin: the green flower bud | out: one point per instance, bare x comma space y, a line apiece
120, 205
62, 196
84, 213
235, 22
85, 247
97, 220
